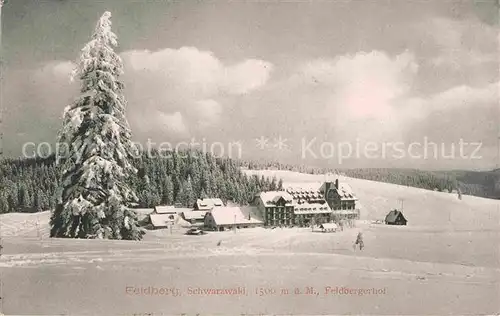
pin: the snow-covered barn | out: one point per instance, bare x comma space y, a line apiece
222, 218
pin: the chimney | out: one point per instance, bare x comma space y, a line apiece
327, 188
337, 183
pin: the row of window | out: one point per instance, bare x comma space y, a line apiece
321, 208
343, 207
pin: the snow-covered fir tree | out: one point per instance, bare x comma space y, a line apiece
94, 195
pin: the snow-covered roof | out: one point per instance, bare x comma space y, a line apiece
270, 198
180, 210
145, 211
229, 215
189, 215
161, 220
315, 190
308, 192
344, 191
312, 208
182, 223
392, 216
208, 203
166, 209
328, 226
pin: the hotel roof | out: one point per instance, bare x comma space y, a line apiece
229, 215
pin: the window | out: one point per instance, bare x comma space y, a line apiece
331, 194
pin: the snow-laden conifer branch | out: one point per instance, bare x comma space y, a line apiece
94, 195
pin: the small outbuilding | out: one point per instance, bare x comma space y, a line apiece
395, 217
328, 227
159, 221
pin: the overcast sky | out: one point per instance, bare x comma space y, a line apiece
316, 73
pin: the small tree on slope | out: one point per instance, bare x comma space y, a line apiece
94, 196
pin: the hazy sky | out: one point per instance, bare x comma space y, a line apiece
320, 74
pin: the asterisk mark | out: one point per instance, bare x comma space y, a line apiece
262, 142
280, 143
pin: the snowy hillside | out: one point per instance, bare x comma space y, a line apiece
422, 208
449, 244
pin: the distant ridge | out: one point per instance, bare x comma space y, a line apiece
477, 183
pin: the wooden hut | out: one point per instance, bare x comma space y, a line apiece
395, 217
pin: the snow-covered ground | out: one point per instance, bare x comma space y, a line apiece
423, 209
25, 225
445, 262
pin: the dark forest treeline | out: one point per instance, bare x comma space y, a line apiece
478, 183
29, 185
